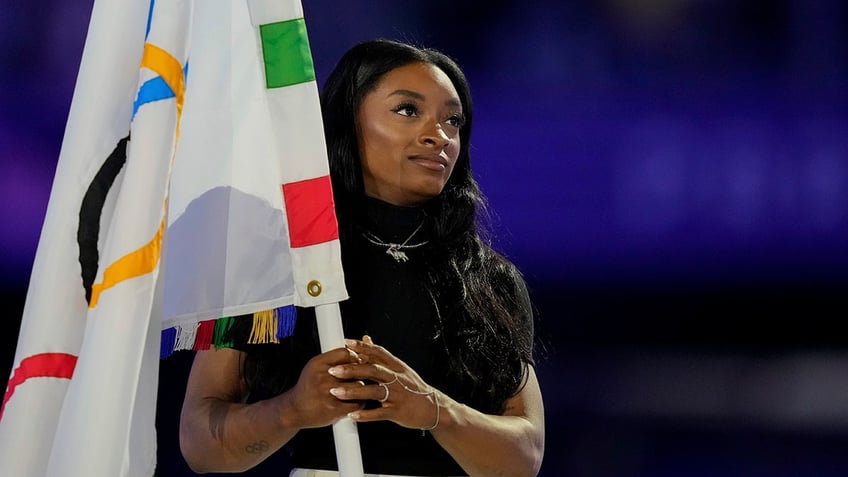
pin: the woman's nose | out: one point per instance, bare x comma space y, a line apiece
434, 134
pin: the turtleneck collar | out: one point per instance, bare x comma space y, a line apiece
392, 222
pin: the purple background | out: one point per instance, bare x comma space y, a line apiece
672, 177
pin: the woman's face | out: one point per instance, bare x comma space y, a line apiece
408, 131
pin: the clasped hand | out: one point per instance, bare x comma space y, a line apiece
367, 372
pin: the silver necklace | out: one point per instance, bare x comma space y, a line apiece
396, 250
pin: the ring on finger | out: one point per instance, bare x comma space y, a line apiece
385, 388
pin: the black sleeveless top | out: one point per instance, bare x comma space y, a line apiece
389, 303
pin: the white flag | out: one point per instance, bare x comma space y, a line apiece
182, 194
259, 227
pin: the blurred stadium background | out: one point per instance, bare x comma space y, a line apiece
670, 175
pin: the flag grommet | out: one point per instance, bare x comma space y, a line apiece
313, 288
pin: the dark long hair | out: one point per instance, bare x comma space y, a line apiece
486, 321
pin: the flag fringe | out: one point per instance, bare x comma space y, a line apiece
169, 339
222, 338
205, 334
269, 326
264, 328
186, 336
287, 317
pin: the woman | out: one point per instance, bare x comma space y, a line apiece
442, 382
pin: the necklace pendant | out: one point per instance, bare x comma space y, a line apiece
396, 250
397, 254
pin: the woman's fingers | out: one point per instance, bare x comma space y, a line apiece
338, 356
310, 395
404, 397
416, 412
372, 353
363, 392
370, 415
371, 372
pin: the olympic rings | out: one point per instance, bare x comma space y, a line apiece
256, 447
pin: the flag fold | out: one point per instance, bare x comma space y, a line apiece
192, 187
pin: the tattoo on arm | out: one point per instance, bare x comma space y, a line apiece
217, 418
218, 411
256, 448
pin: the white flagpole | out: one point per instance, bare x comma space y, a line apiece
331, 336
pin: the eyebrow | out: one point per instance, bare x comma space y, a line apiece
420, 97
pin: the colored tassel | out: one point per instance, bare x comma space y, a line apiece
264, 328
186, 336
205, 332
169, 338
222, 328
287, 316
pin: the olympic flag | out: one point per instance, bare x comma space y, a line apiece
192, 185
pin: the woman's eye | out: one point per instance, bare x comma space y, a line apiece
457, 120
406, 110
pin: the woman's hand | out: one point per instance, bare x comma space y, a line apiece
310, 399
219, 432
404, 397
511, 444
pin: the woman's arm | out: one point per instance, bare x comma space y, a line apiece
484, 445
219, 433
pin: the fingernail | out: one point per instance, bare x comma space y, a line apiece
350, 342
337, 391
353, 415
354, 355
335, 370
